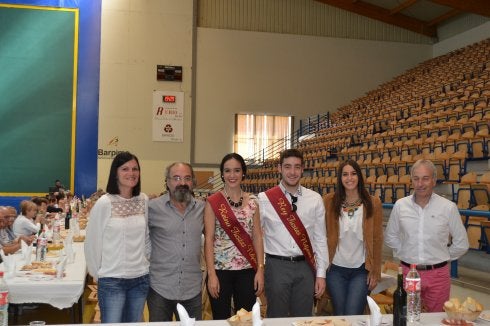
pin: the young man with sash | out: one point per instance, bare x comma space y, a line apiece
293, 220
233, 244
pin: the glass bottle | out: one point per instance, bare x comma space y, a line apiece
400, 302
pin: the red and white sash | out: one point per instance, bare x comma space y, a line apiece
292, 223
232, 227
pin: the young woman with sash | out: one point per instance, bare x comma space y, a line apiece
354, 222
233, 243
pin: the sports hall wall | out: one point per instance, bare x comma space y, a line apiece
224, 72
235, 71
85, 111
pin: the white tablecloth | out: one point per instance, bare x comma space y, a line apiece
61, 293
426, 319
386, 282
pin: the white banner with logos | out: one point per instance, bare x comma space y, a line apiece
168, 116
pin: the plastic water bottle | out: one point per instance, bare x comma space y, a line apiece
56, 229
412, 286
41, 247
4, 302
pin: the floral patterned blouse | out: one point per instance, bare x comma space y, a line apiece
226, 254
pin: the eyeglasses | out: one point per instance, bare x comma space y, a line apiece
294, 199
178, 178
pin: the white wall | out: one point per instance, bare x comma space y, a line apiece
239, 71
236, 71
136, 37
461, 40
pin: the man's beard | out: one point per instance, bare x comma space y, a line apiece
182, 194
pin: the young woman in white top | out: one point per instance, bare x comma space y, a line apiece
355, 238
117, 245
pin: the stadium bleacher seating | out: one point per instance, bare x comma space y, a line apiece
438, 110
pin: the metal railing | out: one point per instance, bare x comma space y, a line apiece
270, 153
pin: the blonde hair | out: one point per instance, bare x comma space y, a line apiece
26, 205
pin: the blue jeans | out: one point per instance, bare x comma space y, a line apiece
348, 289
122, 300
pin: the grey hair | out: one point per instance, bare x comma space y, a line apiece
427, 163
169, 167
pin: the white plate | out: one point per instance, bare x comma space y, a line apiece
53, 254
307, 322
485, 316
327, 321
383, 323
41, 278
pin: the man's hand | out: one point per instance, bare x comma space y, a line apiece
319, 287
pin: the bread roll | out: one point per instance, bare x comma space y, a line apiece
449, 306
456, 302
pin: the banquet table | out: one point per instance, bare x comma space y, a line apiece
426, 319
385, 282
60, 293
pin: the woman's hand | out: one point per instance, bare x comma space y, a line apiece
39, 219
259, 281
27, 239
372, 281
213, 286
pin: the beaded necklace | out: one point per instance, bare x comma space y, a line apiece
231, 202
350, 208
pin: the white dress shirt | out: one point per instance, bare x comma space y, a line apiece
311, 211
422, 235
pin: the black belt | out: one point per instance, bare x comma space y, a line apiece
287, 258
426, 267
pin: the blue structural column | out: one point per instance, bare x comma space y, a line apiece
454, 269
88, 97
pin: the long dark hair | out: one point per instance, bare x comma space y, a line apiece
339, 196
120, 159
237, 157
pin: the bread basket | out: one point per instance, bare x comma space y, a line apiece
463, 315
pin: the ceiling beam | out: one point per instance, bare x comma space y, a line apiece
402, 6
480, 7
382, 14
443, 17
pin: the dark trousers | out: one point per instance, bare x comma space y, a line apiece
162, 309
289, 288
236, 284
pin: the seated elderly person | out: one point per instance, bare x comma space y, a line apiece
8, 245
53, 206
29, 222
12, 215
42, 206
10, 218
